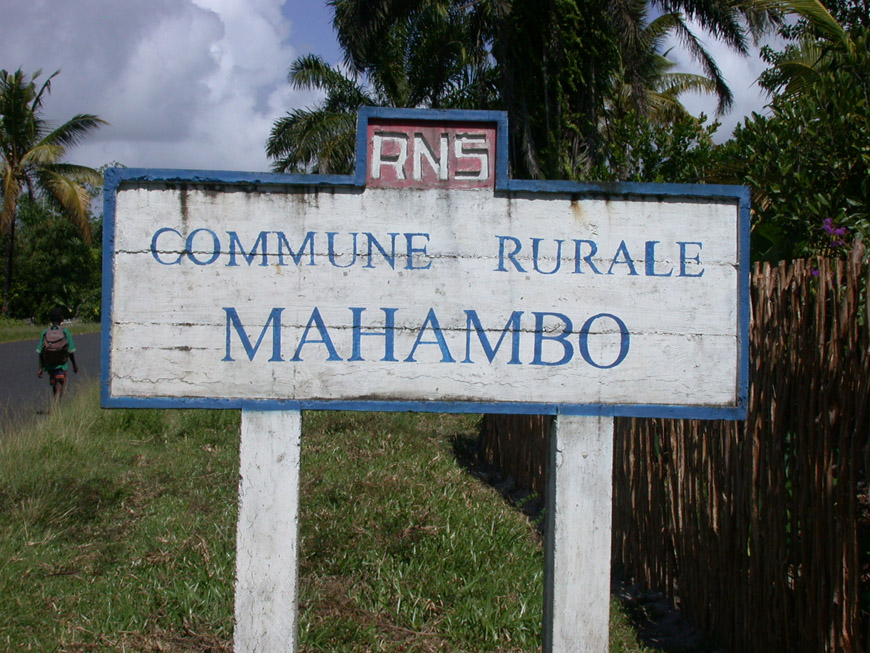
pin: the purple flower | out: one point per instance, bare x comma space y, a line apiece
836, 234
814, 272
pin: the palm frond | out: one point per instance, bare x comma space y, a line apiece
675, 84
74, 130
311, 72
11, 191
660, 27
814, 12
709, 66
800, 74
69, 195
36, 104
79, 173
626, 16
802, 64
313, 141
41, 154
720, 19
665, 104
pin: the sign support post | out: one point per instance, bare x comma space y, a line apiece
579, 513
267, 538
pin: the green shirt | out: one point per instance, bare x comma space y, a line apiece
72, 348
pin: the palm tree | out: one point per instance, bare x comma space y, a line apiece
425, 52
556, 66
401, 54
31, 152
644, 82
560, 59
824, 44
321, 139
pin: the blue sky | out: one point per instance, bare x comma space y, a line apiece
311, 28
198, 84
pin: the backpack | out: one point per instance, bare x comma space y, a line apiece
55, 348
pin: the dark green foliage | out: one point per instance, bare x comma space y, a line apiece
413, 54
54, 266
32, 162
322, 139
556, 59
556, 66
808, 163
848, 13
638, 149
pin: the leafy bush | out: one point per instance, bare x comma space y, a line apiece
640, 149
53, 266
808, 163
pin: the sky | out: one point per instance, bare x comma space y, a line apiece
198, 84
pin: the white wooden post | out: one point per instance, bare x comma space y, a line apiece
579, 509
267, 538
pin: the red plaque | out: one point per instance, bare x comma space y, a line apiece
408, 154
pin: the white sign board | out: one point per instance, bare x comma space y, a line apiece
503, 299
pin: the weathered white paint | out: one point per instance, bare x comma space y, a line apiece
267, 537
579, 513
168, 332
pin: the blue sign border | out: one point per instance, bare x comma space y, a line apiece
115, 177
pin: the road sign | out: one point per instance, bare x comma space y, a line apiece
427, 281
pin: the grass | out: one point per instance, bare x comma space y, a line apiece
15, 330
117, 532
418, 551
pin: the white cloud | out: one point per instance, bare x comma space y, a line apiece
184, 83
199, 83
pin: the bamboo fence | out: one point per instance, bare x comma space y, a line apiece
757, 529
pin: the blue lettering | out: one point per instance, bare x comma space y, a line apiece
623, 250
562, 339
260, 242
233, 322
330, 235
431, 320
411, 249
389, 258
553, 328
536, 244
511, 255
317, 321
578, 256
154, 247
684, 258
624, 341
388, 334
189, 249
297, 257
650, 256
513, 324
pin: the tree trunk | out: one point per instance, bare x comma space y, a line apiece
7, 278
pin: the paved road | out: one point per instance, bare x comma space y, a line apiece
22, 393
